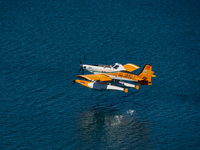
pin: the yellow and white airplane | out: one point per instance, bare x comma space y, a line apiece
112, 77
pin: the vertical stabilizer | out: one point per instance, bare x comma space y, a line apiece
147, 73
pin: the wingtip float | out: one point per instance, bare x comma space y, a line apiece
112, 77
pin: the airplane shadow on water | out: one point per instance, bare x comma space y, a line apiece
113, 129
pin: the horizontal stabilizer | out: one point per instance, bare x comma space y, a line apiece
130, 67
139, 79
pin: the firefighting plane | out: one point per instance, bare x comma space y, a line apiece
114, 77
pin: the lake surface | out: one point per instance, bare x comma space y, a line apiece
41, 44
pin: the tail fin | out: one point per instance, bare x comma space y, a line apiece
146, 74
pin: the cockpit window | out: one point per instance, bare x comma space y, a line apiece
116, 67
107, 66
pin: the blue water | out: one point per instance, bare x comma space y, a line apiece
41, 44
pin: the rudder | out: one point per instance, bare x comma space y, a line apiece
147, 73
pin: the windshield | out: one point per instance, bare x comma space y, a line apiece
116, 67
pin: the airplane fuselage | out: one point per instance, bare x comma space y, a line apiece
96, 69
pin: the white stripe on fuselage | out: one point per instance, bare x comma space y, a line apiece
97, 69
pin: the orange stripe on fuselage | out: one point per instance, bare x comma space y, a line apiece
124, 75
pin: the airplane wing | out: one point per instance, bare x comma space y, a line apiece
94, 77
130, 67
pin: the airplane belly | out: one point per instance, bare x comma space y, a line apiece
119, 78
106, 86
100, 86
125, 84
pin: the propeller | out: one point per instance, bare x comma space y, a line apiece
81, 67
